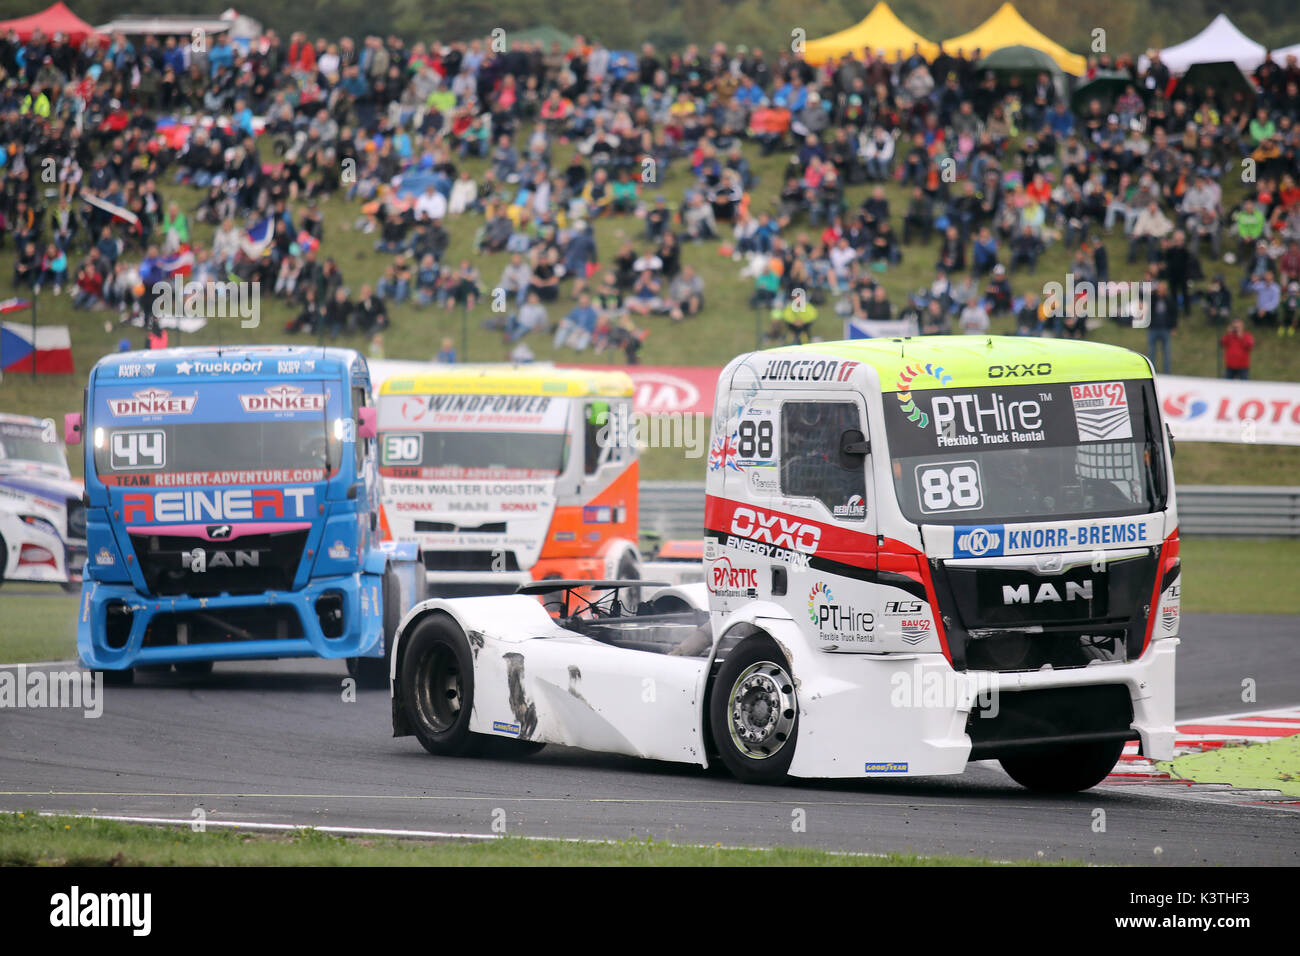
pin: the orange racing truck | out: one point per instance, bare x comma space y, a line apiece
504, 475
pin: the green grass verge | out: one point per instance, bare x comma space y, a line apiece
31, 840
1220, 575
38, 622
725, 329
1238, 575
1271, 766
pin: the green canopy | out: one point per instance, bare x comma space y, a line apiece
1230, 85
1106, 86
1019, 59
544, 34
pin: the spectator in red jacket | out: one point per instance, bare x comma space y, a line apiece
1237, 345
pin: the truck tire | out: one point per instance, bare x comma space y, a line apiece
118, 678
4, 559
754, 713
1067, 769
436, 681
372, 672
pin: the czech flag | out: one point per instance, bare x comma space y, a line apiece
258, 239
114, 210
180, 264
50, 349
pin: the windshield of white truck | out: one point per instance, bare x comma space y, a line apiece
20, 441
473, 436
1023, 453
229, 434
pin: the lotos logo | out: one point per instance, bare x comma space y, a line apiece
820, 592
152, 401
776, 529
726, 577
977, 542
283, 398
905, 400
1185, 406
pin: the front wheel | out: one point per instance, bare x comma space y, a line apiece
754, 713
1067, 769
436, 681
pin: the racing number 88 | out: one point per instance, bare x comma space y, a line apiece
755, 439
945, 488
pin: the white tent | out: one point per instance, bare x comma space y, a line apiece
1279, 56
1219, 41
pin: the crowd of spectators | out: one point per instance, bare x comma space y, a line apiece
994, 170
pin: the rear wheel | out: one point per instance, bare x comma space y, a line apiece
1066, 769
436, 681
372, 672
754, 713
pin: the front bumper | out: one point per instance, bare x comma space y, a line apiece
911, 715
103, 648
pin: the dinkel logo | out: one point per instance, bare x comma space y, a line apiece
152, 401
283, 398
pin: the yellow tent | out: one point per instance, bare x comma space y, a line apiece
1008, 28
879, 30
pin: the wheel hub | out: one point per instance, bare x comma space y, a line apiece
762, 710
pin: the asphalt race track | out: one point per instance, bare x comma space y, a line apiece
274, 742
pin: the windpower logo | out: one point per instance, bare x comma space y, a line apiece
905, 400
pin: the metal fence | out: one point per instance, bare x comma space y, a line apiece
675, 509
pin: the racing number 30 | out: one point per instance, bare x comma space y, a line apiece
950, 487
755, 438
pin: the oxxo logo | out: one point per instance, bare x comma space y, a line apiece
1026, 370
776, 529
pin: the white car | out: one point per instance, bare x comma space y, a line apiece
42, 517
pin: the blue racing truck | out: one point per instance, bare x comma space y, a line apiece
232, 502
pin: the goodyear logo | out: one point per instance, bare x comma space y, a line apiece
502, 727
886, 767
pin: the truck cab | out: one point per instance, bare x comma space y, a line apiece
232, 496
503, 475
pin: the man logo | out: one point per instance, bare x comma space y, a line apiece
1047, 593
218, 531
980, 541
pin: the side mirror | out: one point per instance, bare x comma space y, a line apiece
1169, 434
368, 422
853, 448
72, 428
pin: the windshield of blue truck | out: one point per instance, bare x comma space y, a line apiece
237, 433
1026, 453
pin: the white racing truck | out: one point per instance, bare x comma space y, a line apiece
919, 552
42, 516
